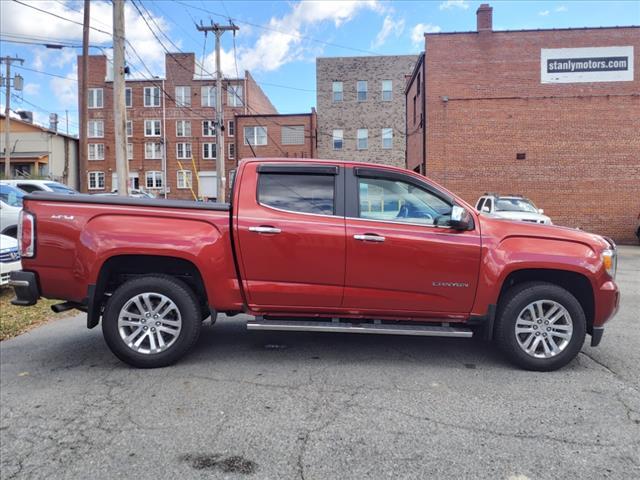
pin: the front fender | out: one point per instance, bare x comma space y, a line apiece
513, 253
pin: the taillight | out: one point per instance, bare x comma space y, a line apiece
26, 234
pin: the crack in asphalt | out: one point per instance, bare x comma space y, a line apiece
618, 376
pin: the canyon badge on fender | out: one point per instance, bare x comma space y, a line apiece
451, 284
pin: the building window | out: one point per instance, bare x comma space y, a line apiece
387, 90
337, 91
208, 128
151, 96
183, 96
128, 97
234, 95
96, 99
255, 136
153, 150
183, 150
129, 151
387, 138
414, 109
96, 180
362, 90
95, 129
293, 135
231, 128
183, 128
208, 96
96, 151
419, 84
184, 179
154, 179
152, 128
209, 151
129, 128
232, 150
363, 139
337, 139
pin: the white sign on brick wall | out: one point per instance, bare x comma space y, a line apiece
592, 64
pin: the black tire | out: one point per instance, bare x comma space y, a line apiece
513, 303
179, 293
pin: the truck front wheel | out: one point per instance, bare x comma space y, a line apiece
151, 321
540, 326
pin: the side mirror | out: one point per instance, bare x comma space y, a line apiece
461, 219
486, 209
540, 211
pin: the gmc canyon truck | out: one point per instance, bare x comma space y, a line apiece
320, 246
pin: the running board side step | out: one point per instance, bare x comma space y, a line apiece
342, 327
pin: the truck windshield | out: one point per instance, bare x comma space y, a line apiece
11, 196
515, 205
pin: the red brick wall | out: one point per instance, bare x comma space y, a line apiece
580, 139
257, 101
274, 147
179, 68
415, 119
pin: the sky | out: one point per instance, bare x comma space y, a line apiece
277, 41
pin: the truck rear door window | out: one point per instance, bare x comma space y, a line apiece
303, 193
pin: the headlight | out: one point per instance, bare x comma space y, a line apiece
610, 261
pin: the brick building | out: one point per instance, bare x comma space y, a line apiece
361, 107
276, 135
550, 114
172, 116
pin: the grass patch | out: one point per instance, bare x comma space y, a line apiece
15, 320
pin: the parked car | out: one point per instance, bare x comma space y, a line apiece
9, 258
134, 192
320, 246
512, 207
638, 228
31, 186
10, 208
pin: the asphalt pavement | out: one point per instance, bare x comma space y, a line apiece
320, 406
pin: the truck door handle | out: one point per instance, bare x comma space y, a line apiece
264, 229
369, 237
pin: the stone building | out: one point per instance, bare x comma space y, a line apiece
361, 107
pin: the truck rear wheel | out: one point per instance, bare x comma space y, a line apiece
151, 321
540, 326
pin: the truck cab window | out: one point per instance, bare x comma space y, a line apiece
303, 193
397, 201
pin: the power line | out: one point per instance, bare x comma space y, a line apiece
264, 27
61, 17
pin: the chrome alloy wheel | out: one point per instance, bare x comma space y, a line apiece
149, 323
544, 329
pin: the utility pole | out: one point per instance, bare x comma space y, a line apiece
84, 113
220, 167
17, 83
119, 106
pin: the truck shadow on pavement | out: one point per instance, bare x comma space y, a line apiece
228, 342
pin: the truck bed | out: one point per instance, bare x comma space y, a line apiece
79, 234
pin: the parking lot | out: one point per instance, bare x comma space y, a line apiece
321, 406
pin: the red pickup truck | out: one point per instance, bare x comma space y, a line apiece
321, 246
